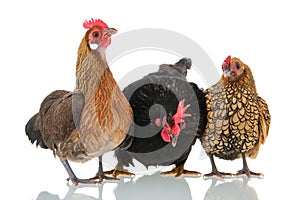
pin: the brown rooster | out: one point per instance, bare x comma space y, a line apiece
238, 119
91, 120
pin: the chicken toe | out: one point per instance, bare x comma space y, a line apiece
179, 171
116, 173
73, 178
102, 175
215, 172
76, 181
249, 173
246, 171
119, 171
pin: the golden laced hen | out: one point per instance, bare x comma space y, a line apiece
238, 118
91, 120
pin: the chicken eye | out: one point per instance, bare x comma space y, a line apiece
237, 65
96, 34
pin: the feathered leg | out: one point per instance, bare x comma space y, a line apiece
245, 170
215, 171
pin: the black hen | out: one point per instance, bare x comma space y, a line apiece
169, 114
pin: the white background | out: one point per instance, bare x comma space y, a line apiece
38, 45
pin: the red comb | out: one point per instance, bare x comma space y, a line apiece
94, 22
226, 61
180, 114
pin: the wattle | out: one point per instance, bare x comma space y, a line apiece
165, 135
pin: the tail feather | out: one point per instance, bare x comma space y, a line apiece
33, 131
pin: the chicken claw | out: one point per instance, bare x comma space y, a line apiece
76, 181
116, 173
246, 171
95, 180
179, 171
103, 177
218, 174
215, 171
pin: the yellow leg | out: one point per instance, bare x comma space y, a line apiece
179, 171
119, 171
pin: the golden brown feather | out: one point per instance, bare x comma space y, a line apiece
106, 112
238, 119
91, 120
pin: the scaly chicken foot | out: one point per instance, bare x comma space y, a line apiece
215, 171
72, 176
76, 181
101, 175
249, 173
119, 171
179, 171
116, 173
246, 171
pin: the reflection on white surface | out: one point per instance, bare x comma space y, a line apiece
235, 190
150, 187
71, 195
154, 186
147, 187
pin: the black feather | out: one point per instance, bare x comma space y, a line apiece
33, 131
154, 96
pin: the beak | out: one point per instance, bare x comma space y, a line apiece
110, 31
227, 73
174, 139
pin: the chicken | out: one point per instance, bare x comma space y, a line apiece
91, 120
167, 112
238, 119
